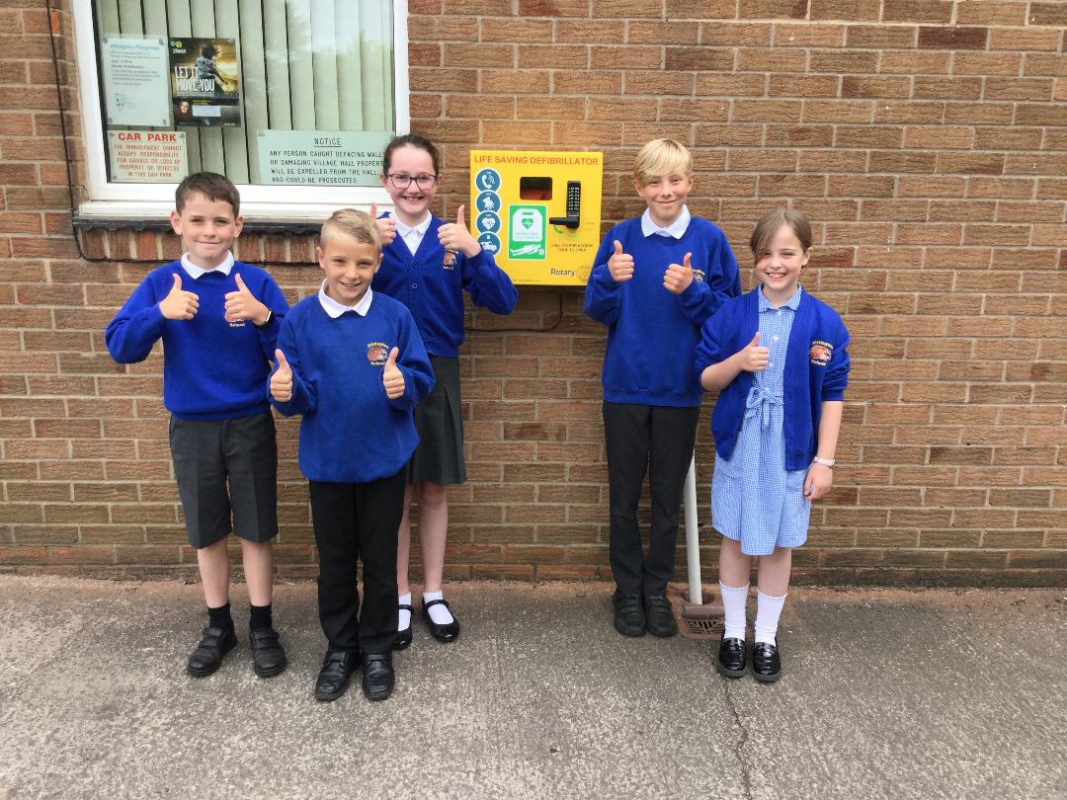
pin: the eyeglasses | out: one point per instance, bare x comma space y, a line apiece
401, 180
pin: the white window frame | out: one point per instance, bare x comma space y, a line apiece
276, 203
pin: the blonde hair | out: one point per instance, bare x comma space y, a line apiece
662, 157
772, 222
352, 223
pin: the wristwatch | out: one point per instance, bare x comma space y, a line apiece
826, 462
267, 321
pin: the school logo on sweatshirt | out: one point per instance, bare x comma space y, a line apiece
820, 353
698, 274
377, 353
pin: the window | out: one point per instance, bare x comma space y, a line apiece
293, 100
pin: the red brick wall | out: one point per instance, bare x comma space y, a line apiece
927, 141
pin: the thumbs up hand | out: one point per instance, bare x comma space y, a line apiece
281, 382
620, 265
678, 277
455, 236
392, 377
386, 226
754, 358
179, 304
242, 304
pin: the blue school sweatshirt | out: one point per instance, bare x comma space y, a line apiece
212, 369
433, 292
652, 332
816, 370
351, 431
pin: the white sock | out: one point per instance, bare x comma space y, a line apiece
438, 613
733, 600
404, 621
768, 610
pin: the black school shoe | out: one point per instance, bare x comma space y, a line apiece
403, 638
733, 657
337, 668
268, 655
766, 663
207, 657
378, 676
442, 633
659, 616
629, 615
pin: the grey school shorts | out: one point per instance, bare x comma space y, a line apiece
224, 467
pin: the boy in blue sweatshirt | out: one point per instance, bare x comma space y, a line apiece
353, 363
655, 280
218, 320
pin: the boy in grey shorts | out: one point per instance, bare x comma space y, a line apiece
219, 321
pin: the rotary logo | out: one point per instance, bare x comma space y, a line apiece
820, 353
377, 353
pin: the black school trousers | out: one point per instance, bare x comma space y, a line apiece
358, 522
658, 440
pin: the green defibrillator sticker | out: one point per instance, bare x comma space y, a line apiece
527, 228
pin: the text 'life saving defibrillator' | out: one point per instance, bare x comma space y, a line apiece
538, 212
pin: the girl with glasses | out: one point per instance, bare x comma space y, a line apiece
428, 264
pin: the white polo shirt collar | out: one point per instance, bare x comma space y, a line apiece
196, 272
335, 309
676, 230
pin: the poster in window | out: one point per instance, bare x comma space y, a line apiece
205, 82
135, 81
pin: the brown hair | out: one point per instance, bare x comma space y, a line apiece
210, 184
772, 222
352, 223
414, 140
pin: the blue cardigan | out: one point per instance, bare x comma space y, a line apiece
351, 431
652, 332
816, 369
433, 292
212, 368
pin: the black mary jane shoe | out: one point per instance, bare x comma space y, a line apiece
442, 633
766, 663
207, 657
268, 655
337, 668
403, 638
733, 657
378, 676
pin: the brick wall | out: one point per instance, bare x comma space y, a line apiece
927, 141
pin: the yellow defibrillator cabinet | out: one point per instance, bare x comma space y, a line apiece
538, 212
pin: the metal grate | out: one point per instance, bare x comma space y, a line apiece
698, 628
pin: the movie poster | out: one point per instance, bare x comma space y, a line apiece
205, 85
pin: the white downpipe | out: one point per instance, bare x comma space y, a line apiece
692, 533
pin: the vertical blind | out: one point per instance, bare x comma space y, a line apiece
306, 65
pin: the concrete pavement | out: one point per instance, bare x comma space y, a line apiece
886, 694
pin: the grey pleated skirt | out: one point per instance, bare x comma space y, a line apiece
439, 422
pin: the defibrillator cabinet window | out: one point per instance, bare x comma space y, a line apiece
535, 188
292, 92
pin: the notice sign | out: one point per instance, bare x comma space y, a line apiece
147, 157
135, 81
322, 158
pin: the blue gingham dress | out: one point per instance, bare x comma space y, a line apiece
754, 499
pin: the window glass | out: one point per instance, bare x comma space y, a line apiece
266, 92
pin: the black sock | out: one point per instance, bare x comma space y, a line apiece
220, 617
260, 618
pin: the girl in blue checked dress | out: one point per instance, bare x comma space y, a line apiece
779, 360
